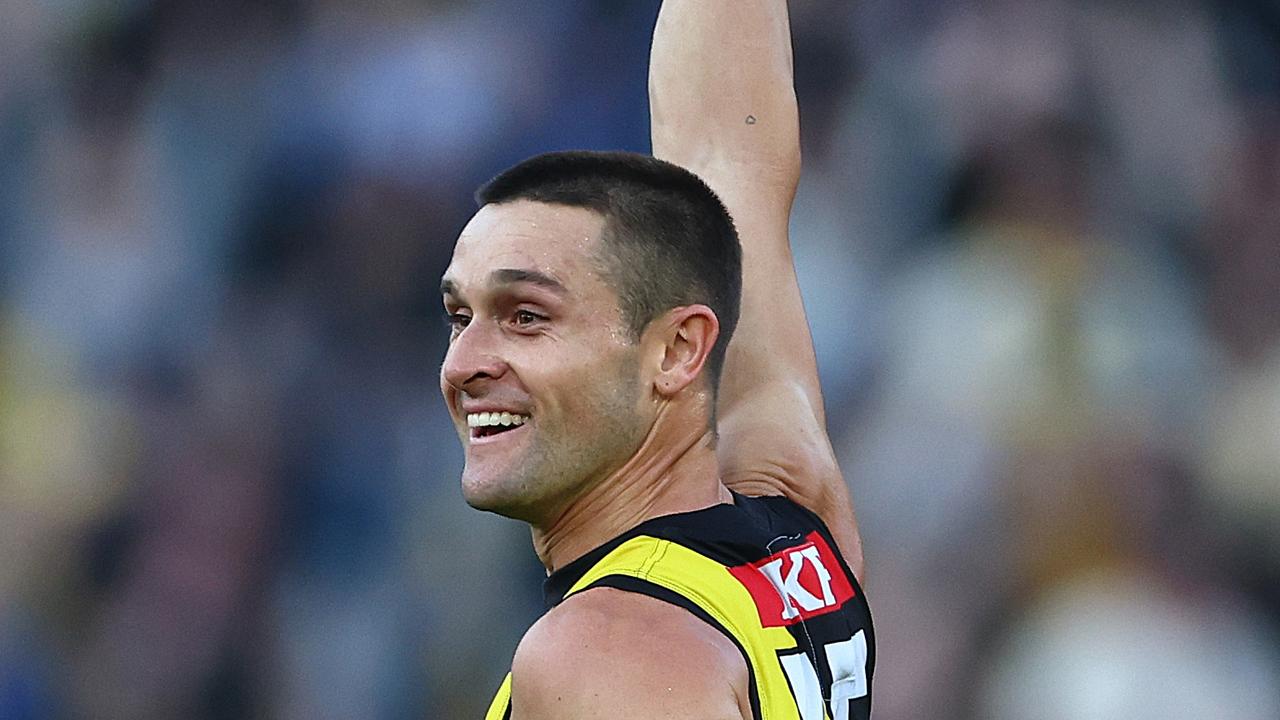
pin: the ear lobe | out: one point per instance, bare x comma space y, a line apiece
691, 332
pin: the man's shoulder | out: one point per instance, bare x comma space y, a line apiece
605, 623
629, 652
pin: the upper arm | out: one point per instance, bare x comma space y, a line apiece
615, 654
723, 105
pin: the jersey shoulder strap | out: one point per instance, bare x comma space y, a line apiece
500, 708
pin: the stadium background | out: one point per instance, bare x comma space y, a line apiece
1038, 243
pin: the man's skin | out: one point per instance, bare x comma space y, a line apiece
617, 430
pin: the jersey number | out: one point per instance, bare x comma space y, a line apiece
848, 662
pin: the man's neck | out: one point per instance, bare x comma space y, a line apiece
672, 472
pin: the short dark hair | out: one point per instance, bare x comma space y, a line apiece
668, 239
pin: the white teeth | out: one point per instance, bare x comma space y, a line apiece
487, 419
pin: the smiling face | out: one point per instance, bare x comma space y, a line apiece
542, 376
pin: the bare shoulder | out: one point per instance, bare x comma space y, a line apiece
616, 654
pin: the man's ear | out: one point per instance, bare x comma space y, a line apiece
685, 335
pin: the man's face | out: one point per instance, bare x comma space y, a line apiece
539, 347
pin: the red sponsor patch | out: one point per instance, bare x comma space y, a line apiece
797, 583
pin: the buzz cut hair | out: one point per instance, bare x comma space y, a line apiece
668, 240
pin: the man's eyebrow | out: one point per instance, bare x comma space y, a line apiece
508, 276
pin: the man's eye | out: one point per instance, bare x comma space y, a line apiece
525, 318
458, 321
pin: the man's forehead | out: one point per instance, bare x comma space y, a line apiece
530, 220
540, 240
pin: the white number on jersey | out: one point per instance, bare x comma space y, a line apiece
848, 662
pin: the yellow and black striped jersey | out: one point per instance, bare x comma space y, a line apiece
766, 573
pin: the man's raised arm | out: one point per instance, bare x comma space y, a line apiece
723, 105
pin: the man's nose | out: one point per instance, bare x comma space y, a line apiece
472, 358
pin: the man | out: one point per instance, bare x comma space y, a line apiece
681, 489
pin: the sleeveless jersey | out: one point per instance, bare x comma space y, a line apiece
766, 573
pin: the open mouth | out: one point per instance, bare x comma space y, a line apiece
483, 432
489, 424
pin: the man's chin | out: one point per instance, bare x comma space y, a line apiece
498, 497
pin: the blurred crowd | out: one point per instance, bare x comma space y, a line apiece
1040, 247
